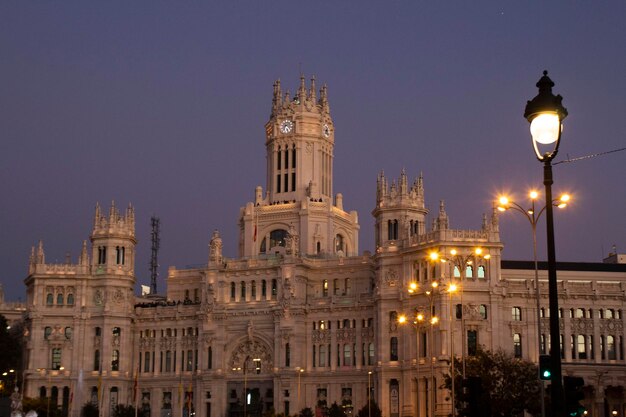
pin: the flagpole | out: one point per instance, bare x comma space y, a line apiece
135, 389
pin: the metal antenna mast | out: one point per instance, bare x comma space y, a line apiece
154, 266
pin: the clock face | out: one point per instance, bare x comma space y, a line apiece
326, 131
286, 126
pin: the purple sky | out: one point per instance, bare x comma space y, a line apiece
162, 104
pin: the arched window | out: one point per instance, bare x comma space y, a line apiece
609, 314
346, 324
232, 291
516, 313
243, 290
610, 347
68, 333
582, 346
469, 271
49, 299
481, 271
278, 238
393, 349
483, 311
42, 392
60, 299
370, 357
457, 273
339, 245
580, 313
274, 288
120, 255
70, 299
102, 255
318, 248
47, 332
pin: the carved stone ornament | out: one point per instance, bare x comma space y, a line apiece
308, 147
244, 354
391, 278
98, 298
118, 296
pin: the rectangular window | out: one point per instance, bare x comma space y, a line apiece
314, 354
168, 361
56, 358
517, 345
278, 183
293, 157
472, 342
293, 181
325, 288
393, 349
286, 158
146, 362
582, 346
285, 176
279, 155
516, 313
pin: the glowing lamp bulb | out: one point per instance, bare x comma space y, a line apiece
545, 128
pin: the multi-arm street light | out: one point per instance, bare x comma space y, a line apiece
419, 321
504, 204
545, 113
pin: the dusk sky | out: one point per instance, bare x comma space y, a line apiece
163, 105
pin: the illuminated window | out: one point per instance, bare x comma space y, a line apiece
517, 345
481, 271
582, 347
469, 271
516, 313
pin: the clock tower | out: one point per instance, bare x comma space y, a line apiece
298, 214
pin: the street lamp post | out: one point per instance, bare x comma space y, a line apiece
300, 370
533, 218
369, 393
545, 113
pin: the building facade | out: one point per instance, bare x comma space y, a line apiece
300, 318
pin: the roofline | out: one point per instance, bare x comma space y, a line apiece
565, 266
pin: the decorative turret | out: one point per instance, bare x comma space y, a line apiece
113, 240
400, 210
441, 222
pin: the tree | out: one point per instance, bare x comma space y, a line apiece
336, 410
122, 410
306, 412
11, 348
510, 385
365, 412
90, 410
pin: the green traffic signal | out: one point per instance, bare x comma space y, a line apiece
545, 371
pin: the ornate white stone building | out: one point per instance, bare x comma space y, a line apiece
301, 318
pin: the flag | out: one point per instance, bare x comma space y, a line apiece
189, 398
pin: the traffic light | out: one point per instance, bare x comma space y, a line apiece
545, 370
573, 387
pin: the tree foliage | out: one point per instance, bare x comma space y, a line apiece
11, 348
90, 410
510, 385
122, 410
365, 411
306, 412
336, 410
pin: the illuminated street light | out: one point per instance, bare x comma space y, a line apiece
504, 204
545, 113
